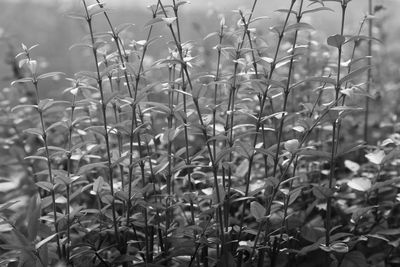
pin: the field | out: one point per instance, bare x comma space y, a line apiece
254, 133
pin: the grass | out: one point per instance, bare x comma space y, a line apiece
237, 156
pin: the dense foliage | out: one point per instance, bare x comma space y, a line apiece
258, 153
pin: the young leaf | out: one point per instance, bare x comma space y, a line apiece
336, 40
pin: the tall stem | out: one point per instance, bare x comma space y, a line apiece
105, 125
369, 74
335, 137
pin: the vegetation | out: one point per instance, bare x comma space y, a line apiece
258, 153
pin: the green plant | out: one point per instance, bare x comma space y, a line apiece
169, 163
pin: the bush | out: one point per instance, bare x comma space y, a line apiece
255, 162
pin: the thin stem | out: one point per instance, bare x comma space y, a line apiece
48, 159
105, 125
335, 138
369, 74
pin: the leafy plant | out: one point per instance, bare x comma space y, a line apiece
170, 163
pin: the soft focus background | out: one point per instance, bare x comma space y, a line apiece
46, 23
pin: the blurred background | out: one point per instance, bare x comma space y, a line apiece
45, 22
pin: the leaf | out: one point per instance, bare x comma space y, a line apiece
314, 153
294, 194
123, 27
389, 183
77, 16
389, 232
354, 259
360, 212
360, 184
322, 192
88, 167
300, 26
321, 80
363, 37
45, 186
6, 205
352, 166
353, 74
98, 184
283, 10
257, 210
36, 158
169, 21
350, 148
33, 217
153, 21
50, 74
318, 9
376, 157
339, 247
45, 241
23, 80
292, 145
336, 40
23, 107
210, 35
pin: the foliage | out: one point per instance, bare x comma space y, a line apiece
170, 163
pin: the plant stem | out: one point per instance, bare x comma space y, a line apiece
105, 125
51, 178
335, 138
369, 73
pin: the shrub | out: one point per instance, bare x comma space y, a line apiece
170, 163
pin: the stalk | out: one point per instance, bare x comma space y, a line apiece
134, 125
369, 73
285, 171
286, 93
356, 42
185, 124
203, 126
32, 67
105, 124
229, 124
48, 160
335, 138
168, 213
264, 97
216, 79
185, 127
69, 172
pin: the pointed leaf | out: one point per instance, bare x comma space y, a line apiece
353, 74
